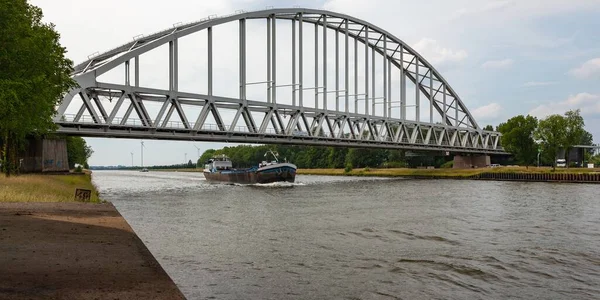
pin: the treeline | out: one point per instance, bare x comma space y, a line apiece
78, 152
188, 165
244, 156
528, 138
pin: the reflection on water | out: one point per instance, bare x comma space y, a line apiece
359, 238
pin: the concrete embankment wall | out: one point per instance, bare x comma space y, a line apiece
541, 177
45, 155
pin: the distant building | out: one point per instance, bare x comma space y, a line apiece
576, 155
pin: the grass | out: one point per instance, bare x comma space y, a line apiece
45, 188
438, 172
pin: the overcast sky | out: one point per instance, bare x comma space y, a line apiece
503, 58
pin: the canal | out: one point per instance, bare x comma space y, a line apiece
365, 238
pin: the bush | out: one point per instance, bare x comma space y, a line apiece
78, 169
348, 168
448, 165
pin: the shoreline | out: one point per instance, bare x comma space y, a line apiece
531, 174
512, 173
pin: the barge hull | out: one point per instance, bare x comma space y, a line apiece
283, 174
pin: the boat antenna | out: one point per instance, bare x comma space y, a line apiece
275, 154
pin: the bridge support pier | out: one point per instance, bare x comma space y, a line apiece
44, 155
471, 161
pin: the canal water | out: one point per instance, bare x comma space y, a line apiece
360, 238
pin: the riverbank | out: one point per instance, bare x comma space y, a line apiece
75, 251
45, 188
542, 174
53, 247
454, 173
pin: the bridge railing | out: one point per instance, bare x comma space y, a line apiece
132, 122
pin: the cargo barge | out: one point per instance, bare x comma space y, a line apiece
220, 169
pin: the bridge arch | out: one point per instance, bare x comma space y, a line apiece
374, 126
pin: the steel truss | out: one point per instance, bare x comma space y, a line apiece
281, 123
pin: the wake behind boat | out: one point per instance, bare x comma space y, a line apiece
220, 168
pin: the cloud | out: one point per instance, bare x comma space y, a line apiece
486, 8
487, 112
589, 69
498, 64
588, 103
438, 55
539, 83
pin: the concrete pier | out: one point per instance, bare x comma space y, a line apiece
471, 161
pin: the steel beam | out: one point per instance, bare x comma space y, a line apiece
269, 67
337, 71
324, 17
137, 71
346, 66
366, 71
209, 33
417, 92
294, 87
300, 61
316, 65
274, 61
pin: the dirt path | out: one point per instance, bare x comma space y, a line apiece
75, 251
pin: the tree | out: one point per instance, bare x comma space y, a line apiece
574, 131
551, 132
488, 128
337, 157
78, 152
34, 75
517, 138
208, 154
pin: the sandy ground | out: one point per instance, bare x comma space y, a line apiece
75, 251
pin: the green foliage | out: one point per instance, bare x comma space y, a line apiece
307, 157
79, 168
551, 132
78, 152
348, 168
488, 128
205, 157
34, 75
517, 138
448, 165
337, 157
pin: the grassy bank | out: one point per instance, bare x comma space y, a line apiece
437, 172
45, 188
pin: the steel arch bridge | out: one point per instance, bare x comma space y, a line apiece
338, 106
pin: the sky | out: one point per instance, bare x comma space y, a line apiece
503, 57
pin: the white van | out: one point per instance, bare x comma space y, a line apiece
561, 163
